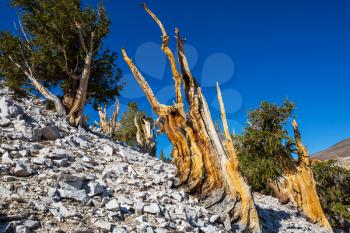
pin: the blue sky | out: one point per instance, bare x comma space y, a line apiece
257, 50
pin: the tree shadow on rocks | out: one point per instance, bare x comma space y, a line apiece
271, 219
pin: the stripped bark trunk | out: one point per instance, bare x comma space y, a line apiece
112, 125
299, 186
61, 111
44, 91
75, 115
206, 165
76, 112
29, 72
145, 136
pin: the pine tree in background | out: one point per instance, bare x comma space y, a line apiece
61, 44
128, 130
265, 145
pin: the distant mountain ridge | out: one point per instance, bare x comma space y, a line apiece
339, 152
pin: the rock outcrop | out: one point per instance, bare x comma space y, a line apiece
56, 178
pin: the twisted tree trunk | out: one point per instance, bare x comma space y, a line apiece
299, 186
29, 73
206, 165
76, 112
75, 115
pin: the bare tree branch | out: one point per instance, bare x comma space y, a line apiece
81, 38
167, 51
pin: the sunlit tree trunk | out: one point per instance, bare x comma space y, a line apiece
299, 186
206, 165
75, 115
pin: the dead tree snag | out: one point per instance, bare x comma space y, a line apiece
112, 125
299, 186
206, 165
29, 71
145, 136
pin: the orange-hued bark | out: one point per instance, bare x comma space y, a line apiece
206, 165
299, 186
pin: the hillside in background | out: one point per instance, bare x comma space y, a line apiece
339, 152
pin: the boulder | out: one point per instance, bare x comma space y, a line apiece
31, 223
4, 192
71, 182
108, 150
21, 127
6, 158
21, 229
94, 188
152, 208
61, 162
77, 195
112, 205
4, 122
7, 108
50, 132
22, 169
58, 154
103, 225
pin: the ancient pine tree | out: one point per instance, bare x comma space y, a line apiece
206, 165
299, 186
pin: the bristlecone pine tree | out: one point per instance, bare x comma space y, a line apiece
206, 165
299, 186
61, 45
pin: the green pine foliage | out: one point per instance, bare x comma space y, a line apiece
127, 131
265, 145
333, 189
56, 53
14, 77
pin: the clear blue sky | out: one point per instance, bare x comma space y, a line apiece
258, 50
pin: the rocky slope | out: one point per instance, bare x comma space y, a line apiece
55, 178
339, 152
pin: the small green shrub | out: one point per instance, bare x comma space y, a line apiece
333, 188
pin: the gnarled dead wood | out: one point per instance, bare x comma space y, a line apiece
299, 186
39, 87
206, 165
145, 136
112, 125
29, 71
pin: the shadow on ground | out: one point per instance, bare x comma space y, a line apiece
271, 219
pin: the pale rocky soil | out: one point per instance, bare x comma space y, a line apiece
55, 178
